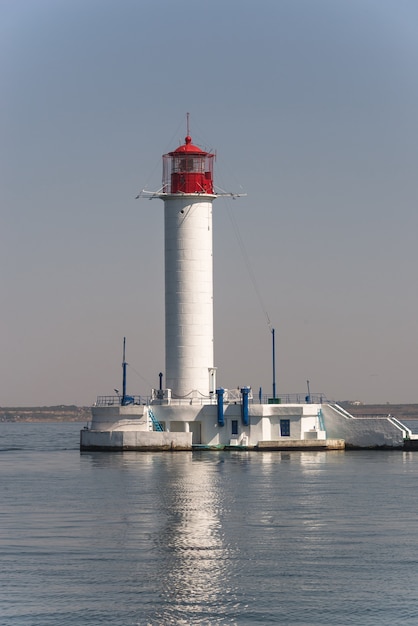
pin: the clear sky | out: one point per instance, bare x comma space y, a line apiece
312, 107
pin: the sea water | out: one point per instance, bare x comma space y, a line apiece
295, 538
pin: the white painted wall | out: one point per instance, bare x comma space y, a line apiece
106, 417
201, 423
135, 440
361, 432
188, 293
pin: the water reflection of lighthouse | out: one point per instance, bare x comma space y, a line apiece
197, 559
188, 195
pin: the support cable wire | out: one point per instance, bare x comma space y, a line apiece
247, 262
243, 250
197, 132
255, 286
139, 376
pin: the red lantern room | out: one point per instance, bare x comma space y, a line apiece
188, 170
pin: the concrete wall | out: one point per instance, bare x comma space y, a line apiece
105, 417
127, 425
362, 433
134, 440
264, 423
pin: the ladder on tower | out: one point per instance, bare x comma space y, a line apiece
156, 424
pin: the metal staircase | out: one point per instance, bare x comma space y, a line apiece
321, 420
155, 423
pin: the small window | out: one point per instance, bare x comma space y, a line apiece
285, 428
234, 427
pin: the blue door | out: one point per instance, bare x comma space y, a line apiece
285, 428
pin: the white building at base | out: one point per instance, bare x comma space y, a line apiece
191, 411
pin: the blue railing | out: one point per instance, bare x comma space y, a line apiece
321, 420
156, 424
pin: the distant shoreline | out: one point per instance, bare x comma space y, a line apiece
63, 413
59, 413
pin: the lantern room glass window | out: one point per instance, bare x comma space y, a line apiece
188, 173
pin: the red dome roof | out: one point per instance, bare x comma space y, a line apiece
188, 148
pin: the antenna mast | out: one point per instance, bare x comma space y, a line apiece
124, 374
274, 362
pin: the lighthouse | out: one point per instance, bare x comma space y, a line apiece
191, 410
188, 195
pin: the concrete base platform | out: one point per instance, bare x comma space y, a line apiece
151, 441
282, 444
302, 444
145, 441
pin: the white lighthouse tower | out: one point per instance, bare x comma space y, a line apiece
188, 196
192, 411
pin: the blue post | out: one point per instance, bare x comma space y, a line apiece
220, 393
125, 398
244, 408
124, 374
308, 397
274, 363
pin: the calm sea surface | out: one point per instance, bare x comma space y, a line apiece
296, 538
